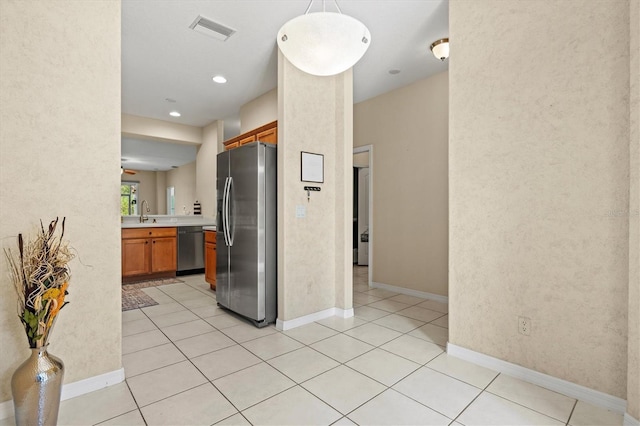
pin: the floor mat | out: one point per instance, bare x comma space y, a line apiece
133, 297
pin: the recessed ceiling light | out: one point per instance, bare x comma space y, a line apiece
174, 114
219, 79
394, 72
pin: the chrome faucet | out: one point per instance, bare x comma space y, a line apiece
143, 217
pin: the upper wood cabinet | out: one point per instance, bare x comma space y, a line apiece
235, 144
247, 140
267, 133
268, 136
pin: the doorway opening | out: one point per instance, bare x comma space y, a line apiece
363, 212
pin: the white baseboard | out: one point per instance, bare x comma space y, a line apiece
316, 316
71, 390
411, 292
583, 393
6, 409
630, 420
344, 313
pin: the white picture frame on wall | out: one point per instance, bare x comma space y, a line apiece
312, 167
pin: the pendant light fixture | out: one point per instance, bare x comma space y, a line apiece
440, 49
323, 43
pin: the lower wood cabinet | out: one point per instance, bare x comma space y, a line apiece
148, 252
210, 258
163, 254
136, 256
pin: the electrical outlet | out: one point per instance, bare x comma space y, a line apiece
524, 325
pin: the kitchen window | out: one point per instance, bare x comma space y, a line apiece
128, 198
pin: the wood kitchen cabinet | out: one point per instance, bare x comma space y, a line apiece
268, 136
135, 256
232, 145
148, 253
163, 254
247, 140
210, 258
267, 133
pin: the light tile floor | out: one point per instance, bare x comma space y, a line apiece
189, 362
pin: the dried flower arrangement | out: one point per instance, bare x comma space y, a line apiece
40, 275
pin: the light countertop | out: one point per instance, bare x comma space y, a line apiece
163, 221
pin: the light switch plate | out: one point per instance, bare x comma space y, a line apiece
301, 211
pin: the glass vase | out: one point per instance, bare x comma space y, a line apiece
36, 387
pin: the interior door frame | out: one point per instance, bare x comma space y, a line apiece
369, 149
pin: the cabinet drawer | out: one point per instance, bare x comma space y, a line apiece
210, 237
148, 232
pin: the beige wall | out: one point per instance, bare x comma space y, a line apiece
633, 364
146, 189
150, 128
260, 111
408, 128
60, 156
206, 167
161, 192
314, 253
183, 179
539, 148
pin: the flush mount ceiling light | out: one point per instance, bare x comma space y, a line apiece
219, 79
440, 48
174, 114
323, 43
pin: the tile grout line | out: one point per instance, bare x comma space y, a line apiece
207, 380
477, 396
211, 381
533, 409
571, 414
337, 332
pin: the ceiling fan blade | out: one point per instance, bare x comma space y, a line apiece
130, 172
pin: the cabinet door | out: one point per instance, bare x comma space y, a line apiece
231, 146
268, 136
247, 140
163, 254
210, 264
135, 257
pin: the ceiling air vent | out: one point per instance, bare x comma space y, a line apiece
212, 29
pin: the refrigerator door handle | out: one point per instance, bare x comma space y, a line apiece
230, 225
225, 212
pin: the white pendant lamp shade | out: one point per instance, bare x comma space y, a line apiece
324, 43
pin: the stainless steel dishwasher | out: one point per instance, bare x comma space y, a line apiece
190, 248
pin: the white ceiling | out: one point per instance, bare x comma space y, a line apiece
162, 58
139, 154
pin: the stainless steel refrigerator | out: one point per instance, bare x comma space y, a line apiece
246, 233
